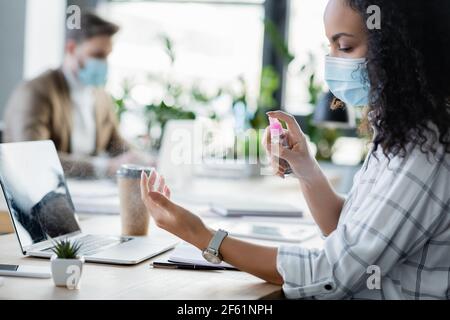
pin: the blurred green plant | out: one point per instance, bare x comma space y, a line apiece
249, 145
277, 40
178, 102
120, 102
169, 48
270, 79
323, 137
161, 113
315, 89
181, 102
270, 83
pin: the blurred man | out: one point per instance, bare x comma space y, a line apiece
70, 106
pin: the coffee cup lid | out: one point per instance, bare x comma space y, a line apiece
133, 171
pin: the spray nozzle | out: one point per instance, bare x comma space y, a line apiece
275, 125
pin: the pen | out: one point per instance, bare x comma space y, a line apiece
168, 265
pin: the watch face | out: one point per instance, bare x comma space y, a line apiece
211, 257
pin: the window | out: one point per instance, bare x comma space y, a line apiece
215, 43
306, 38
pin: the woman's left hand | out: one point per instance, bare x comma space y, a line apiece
169, 216
256, 259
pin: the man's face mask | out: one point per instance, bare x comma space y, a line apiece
94, 72
346, 80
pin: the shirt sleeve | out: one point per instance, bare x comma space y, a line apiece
348, 197
395, 218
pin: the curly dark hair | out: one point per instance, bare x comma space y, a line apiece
409, 73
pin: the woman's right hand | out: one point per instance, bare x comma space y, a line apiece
297, 155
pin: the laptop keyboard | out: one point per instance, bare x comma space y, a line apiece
92, 244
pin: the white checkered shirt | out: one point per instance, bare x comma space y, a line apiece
395, 220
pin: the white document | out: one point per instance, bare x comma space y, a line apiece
186, 253
92, 188
107, 205
94, 196
293, 232
253, 208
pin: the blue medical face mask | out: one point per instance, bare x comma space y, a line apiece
346, 80
94, 73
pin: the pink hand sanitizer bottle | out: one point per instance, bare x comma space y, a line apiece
278, 137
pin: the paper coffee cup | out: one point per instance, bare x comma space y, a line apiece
134, 216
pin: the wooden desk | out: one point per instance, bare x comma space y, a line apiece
135, 282
142, 281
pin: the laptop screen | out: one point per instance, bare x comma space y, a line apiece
36, 192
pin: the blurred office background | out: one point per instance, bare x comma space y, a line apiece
226, 60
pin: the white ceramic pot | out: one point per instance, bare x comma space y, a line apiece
67, 272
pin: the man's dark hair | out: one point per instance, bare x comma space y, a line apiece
91, 26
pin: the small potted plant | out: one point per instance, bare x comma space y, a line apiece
67, 265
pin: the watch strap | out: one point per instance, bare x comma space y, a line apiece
217, 239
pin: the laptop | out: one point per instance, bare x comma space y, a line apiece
42, 210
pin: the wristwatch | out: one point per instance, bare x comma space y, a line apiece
212, 254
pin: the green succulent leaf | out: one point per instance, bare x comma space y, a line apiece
66, 249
